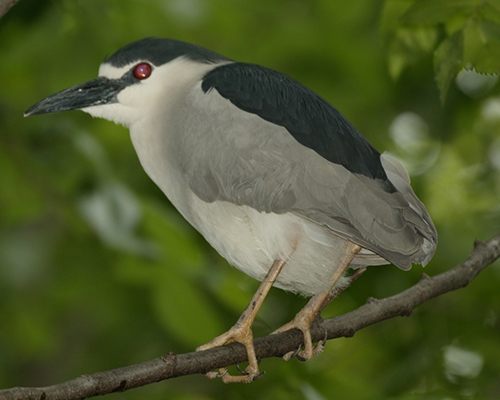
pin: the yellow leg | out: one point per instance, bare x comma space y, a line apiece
306, 316
241, 331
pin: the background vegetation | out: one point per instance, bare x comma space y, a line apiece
97, 270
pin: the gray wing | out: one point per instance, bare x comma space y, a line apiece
252, 162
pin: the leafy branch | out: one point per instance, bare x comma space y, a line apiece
172, 365
460, 34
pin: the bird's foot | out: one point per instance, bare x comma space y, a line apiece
240, 334
320, 347
302, 321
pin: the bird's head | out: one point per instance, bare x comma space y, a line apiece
134, 81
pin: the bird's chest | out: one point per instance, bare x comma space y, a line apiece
171, 161
249, 239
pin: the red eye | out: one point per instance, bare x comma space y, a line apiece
142, 71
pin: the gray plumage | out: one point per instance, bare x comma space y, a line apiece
268, 170
263, 167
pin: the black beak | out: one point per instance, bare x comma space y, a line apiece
92, 93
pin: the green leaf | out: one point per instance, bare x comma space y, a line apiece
408, 46
391, 14
482, 47
397, 60
490, 11
448, 61
436, 11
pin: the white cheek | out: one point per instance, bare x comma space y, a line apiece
131, 104
115, 112
132, 96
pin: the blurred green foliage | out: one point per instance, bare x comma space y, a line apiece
462, 34
98, 271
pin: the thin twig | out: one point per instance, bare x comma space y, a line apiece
171, 365
6, 5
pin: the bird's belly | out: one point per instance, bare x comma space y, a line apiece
252, 240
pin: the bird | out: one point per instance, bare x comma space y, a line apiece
275, 178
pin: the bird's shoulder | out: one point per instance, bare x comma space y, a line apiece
310, 119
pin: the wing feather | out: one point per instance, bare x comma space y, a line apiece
261, 164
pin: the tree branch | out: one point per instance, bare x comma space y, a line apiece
172, 365
6, 5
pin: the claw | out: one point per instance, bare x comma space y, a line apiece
241, 371
302, 355
291, 354
259, 376
241, 334
221, 374
216, 374
244, 372
320, 346
303, 321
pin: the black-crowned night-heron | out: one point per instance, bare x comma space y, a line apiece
273, 177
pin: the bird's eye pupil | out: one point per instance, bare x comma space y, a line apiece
142, 70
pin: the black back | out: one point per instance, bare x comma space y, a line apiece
311, 120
